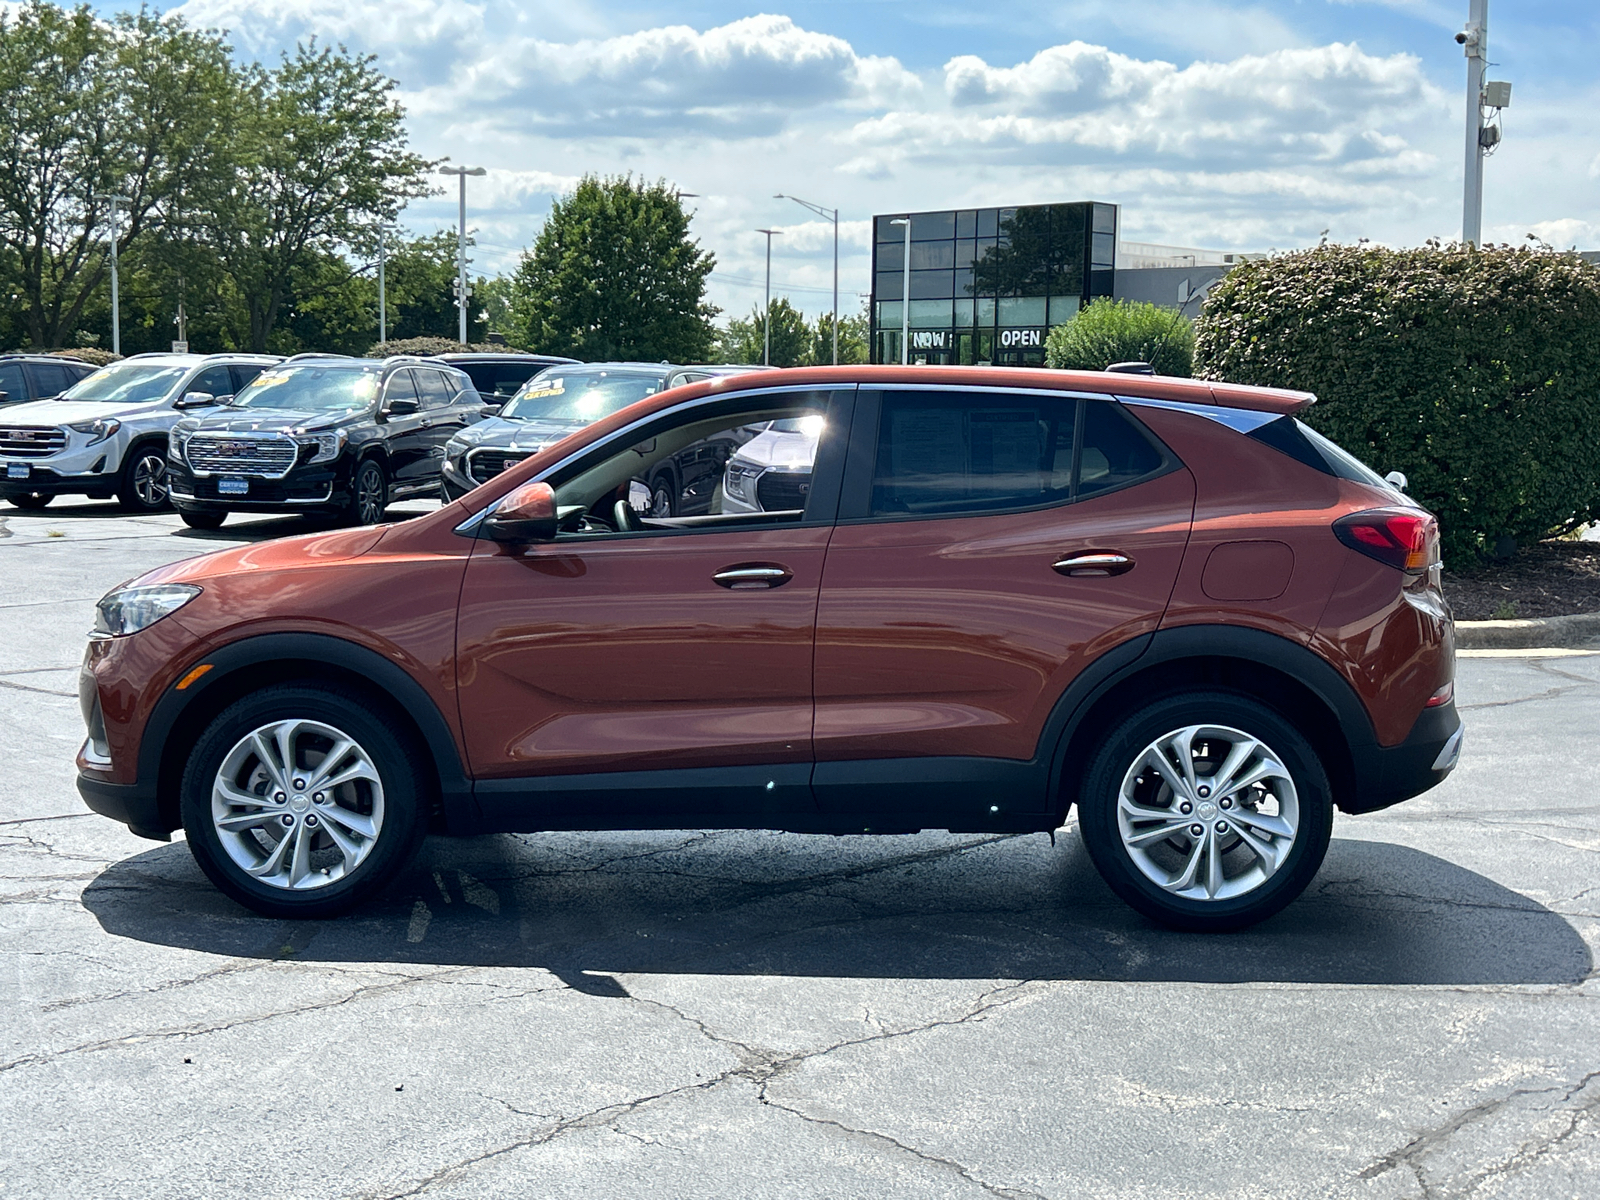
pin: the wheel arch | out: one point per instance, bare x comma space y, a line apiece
179, 718
1281, 673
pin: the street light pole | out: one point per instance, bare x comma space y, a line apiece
833, 215
462, 293
905, 295
1475, 40
383, 306
766, 316
116, 303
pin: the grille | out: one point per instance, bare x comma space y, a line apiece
31, 441
484, 465
781, 491
241, 454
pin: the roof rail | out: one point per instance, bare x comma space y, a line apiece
314, 354
405, 358
241, 354
157, 354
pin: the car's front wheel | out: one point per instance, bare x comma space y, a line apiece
1207, 812
302, 801
369, 493
30, 501
143, 487
201, 518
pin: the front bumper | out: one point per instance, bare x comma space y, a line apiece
1386, 775
96, 475
134, 804
303, 489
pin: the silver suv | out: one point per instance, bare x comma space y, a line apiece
107, 434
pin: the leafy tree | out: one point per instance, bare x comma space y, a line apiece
853, 335
615, 275
1110, 331
419, 287
134, 106
744, 340
316, 159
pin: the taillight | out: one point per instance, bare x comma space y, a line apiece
1443, 696
1398, 537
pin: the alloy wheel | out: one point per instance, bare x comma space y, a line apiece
150, 480
660, 500
1208, 812
369, 494
297, 804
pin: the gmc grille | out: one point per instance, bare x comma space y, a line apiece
782, 491
484, 465
31, 441
243, 454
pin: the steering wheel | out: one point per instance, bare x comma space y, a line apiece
625, 518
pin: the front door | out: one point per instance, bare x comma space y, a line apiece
641, 653
952, 616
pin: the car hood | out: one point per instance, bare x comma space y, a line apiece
71, 412
790, 449
268, 420
307, 550
500, 434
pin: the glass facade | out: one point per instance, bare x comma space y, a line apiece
987, 284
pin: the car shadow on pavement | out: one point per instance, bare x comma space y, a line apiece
588, 907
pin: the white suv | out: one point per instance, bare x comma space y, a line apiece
107, 434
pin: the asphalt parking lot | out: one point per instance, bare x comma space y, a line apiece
752, 1015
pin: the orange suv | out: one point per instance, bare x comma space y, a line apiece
1000, 594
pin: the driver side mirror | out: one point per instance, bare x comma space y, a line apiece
491, 410
400, 406
526, 514
196, 400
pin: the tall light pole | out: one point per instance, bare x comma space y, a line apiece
833, 215
905, 295
462, 294
116, 304
1474, 40
383, 306
766, 315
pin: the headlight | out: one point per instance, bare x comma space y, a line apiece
176, 440
130, 609
328, 445
737, 477
98, 430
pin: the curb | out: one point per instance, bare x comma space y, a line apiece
1573, 632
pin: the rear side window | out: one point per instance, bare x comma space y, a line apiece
49, 379
12, 383
1305, 445
953, 453
243, 373
433, 389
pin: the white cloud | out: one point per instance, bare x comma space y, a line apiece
1564, 233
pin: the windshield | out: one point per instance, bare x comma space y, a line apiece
133, 383
557, 395
315, 389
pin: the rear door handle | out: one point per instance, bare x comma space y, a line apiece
753, 575
1093, 562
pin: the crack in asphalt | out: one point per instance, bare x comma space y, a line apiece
1531, 1152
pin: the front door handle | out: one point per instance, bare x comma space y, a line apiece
753, 575
1093, 562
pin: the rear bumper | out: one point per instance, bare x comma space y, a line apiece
134, 804
1386, 775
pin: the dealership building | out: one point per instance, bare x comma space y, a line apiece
988, 284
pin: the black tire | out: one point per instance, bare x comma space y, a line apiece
30, 501
369, 494
201, 519
401, 807
1123, 749
142, 485
663, 495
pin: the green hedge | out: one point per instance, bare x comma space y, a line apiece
437, 345
1112, 331
1476, 372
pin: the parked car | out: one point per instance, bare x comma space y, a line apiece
1166, 603
25, 377
321, 433
498, 376
772, 471
561, 400
106, 435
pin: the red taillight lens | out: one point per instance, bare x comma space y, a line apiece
1443, 696
1399, 537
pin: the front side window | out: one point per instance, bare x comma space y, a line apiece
311, 388
126, 383
581, 395
217, 381
949, 453
434, 389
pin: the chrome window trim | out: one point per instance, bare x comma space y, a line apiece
469, 527
1240, 420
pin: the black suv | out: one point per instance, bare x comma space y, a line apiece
25, 377
321, 433
498, 377
562, 400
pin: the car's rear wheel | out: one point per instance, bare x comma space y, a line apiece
202, 519
32, 501
302, 801
143, 487
1208, 811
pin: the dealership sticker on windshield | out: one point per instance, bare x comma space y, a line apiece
232, 487
16, 470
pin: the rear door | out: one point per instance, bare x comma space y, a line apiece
990, 545
405, 434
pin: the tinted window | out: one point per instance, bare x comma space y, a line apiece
12, 383
508, 377
1115, 451
243, 373
435, 391
50, 380
960, 452
216, 380
401, 386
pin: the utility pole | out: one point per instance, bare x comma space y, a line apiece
1482, 138
116, 304
831, 214
766, 316
905, 295
383, 307
463, 293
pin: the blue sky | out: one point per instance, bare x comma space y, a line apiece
1228, 124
